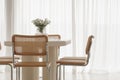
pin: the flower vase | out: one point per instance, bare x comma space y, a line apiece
41, 33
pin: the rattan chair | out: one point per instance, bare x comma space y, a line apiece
74, 61
56, 37
7, 60
30, 45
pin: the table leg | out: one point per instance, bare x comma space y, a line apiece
29, 73
52, 58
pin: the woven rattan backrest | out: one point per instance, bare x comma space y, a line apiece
54, 36
29, 44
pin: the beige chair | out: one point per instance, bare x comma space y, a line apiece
57, 37
54, 36
7, 60
30, 45
75, 61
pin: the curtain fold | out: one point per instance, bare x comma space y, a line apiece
2, 25
2, 29
101, 18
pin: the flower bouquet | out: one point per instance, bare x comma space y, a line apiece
41, 24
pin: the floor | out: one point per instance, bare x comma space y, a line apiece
80, 76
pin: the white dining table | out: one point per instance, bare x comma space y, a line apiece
33, 73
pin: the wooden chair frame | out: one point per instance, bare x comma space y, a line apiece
27, 41
7, 60
74, 61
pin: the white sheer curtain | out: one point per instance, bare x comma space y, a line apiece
57, 11
2, 25
100, 18
76, 20
2, 28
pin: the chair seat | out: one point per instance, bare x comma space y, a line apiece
64, 61
8, 57
31, 64
5, 61
74, 58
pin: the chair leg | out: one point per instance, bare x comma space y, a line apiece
59, 72
48, 73
11, 71
18, 73
63, 72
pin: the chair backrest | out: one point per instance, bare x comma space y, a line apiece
54, 36
34, 45
57, 37
88, 47
0, 46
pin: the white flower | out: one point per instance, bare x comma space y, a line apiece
40, 22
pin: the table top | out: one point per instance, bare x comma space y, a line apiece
51, 42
